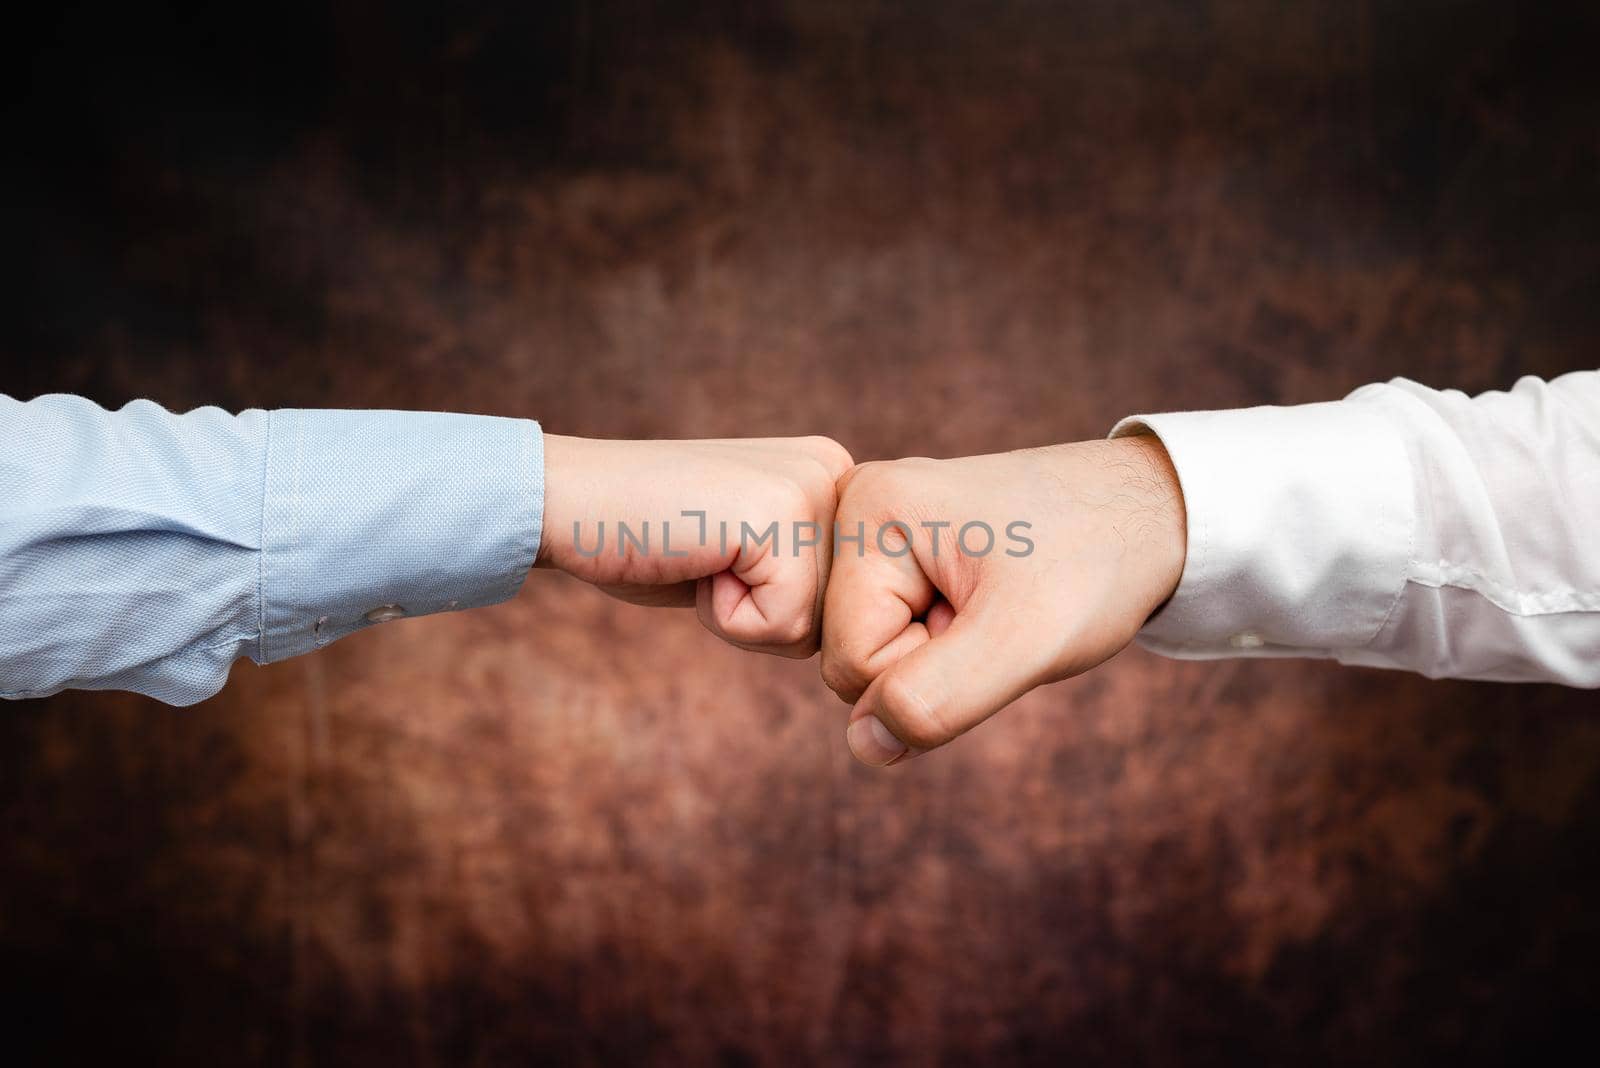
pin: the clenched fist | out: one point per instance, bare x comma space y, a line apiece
977, 579
740, 529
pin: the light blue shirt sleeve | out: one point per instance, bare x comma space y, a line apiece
145, 550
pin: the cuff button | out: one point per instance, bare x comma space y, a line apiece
384, 613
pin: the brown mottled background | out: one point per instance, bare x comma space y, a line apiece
565, 829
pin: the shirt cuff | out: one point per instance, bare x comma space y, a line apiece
368, 516
1300, 522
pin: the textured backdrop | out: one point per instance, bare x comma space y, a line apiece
571, 829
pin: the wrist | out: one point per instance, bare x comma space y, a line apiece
1155, 525
572, 484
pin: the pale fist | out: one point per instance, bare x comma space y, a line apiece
1022, 568
719, 525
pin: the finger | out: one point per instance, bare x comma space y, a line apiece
870, 614
942, 689
767, 601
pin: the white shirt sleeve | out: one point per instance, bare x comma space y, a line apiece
1402, 527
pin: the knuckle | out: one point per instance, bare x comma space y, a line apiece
839, 458
846, 658
899, 479
804, 649
840, 675
801, 650
800, 630
790, 499
833, 455
866, 482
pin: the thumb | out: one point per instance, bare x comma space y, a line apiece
941, 690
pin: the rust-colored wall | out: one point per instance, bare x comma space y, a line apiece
571, 828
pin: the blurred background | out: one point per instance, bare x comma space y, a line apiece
569, 830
